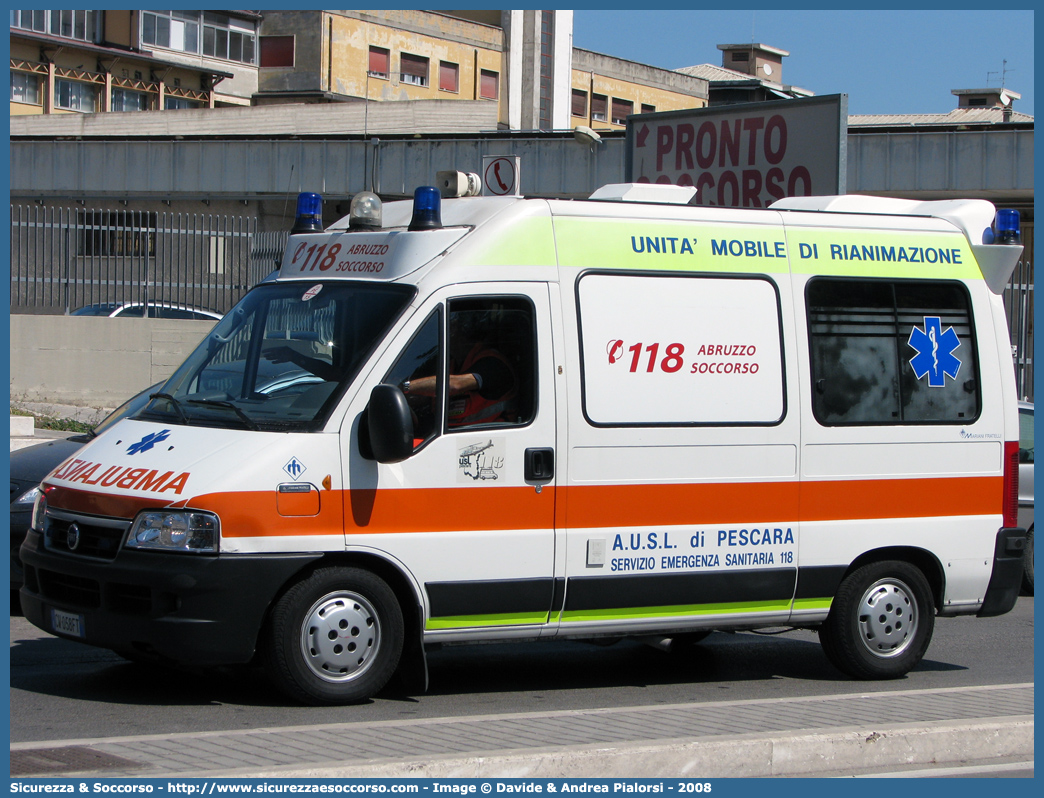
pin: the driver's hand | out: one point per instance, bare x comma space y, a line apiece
280, 354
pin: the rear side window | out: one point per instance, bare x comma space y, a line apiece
892, 352
667, 350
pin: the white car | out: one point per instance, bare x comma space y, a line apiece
1026, 489
154, 310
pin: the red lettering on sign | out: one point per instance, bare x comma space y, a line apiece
752, 126
776, 125
664, 144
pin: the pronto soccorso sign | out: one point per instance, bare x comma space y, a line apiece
747, 155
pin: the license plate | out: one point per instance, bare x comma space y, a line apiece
67, 623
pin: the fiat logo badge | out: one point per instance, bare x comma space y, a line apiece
72, 537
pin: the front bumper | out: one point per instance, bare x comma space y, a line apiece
1006, 579
185, 608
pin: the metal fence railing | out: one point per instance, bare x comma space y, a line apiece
1018, 304
65, 258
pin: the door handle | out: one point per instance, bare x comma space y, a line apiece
540, 465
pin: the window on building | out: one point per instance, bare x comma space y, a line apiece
118, 233
379, 61
892, 352
741, 56
621, 110
413, 69
72, 95
213, 34
125, 100
648, 109
25, 88
579, 103
599, 106
276, 51
178, 103
449, 76
547, 33
69, 24
489, 85
976, 102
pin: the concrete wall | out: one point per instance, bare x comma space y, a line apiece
95, 362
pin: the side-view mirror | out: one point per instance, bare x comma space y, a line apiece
390, 424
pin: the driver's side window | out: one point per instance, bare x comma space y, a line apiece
420, 363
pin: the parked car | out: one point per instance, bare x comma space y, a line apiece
31, 464
155, 310
1026, 490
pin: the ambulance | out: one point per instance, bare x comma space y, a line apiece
471, 418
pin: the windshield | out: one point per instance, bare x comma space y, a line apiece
275, 362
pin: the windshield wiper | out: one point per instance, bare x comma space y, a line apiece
250, 423
173, 403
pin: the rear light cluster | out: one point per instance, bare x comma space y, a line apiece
1011, 483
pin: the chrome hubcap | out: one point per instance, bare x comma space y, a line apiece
340, 636
887, 618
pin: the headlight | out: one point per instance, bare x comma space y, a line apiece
27, 499
39, 511
176, 530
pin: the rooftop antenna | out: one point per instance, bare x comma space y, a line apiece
1003, 73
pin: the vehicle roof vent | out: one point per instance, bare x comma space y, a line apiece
645, 192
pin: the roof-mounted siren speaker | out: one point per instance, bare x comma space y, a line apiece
458, 184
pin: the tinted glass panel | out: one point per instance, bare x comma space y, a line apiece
892, 352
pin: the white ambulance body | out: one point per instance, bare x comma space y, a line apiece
705, 419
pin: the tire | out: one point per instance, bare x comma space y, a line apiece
689, 640
880, 622
1027, 565
335, 637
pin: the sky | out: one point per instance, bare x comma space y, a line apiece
887, 62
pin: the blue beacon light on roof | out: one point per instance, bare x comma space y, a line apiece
427, 209
309, 213
1007, 223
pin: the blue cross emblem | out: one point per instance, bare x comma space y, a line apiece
934, 356
148, 441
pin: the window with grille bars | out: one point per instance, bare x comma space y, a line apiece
117, 233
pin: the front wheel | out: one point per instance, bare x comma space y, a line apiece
335, 637
880, 622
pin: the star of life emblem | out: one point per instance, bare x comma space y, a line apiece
935, 348
148, 441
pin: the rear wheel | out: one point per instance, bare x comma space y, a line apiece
335, 637
880, 622
1027, 565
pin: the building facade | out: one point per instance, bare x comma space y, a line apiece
521, 62
81, 61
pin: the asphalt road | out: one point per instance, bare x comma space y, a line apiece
62, 690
